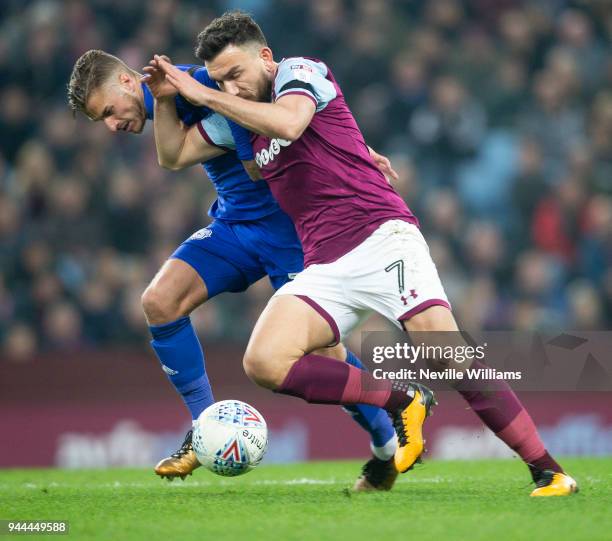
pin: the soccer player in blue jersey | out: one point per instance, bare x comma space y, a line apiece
250, 237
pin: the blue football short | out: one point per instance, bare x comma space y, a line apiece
230, 256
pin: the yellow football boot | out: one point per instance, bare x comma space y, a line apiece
179, 464
554, 484
376, 474
408, 423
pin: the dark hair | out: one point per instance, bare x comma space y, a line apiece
90, 71
232, 28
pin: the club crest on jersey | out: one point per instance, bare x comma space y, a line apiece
301, 67
302, 72
266, 155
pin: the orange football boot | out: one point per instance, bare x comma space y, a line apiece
408, 423
553, 483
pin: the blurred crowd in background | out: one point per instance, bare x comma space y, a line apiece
497, 115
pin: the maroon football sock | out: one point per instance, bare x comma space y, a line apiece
321, 380
500, 409
544, 462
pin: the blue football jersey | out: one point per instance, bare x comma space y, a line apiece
238, 197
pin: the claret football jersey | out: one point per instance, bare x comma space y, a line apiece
325, 180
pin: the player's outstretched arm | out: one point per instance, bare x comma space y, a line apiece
286, 118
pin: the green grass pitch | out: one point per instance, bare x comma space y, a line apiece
477, 500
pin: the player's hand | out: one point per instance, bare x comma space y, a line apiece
384, 164
184, 83
155, 79
251, 167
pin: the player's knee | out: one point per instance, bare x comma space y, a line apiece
159, 307
265, 369
257, 370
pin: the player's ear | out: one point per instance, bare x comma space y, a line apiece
265, 53
126, 81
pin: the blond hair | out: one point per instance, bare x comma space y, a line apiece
90, 72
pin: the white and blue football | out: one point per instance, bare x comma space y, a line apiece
230, 437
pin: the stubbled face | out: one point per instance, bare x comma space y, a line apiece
245, 71
119, 104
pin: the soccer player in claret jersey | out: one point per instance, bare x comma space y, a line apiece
250, 237
354, 228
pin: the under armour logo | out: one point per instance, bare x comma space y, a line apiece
413, 294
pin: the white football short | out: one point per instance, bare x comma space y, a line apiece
391, 273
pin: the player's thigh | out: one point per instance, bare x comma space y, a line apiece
287, 329
221, 259
176, 290
436, 326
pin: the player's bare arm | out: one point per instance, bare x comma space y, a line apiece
178, 146
287, 118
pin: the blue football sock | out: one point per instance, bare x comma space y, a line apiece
180, 354
372, 419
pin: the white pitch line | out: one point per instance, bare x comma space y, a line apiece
225, 482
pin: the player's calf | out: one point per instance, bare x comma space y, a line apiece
320, 380
171, 296
496, 404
